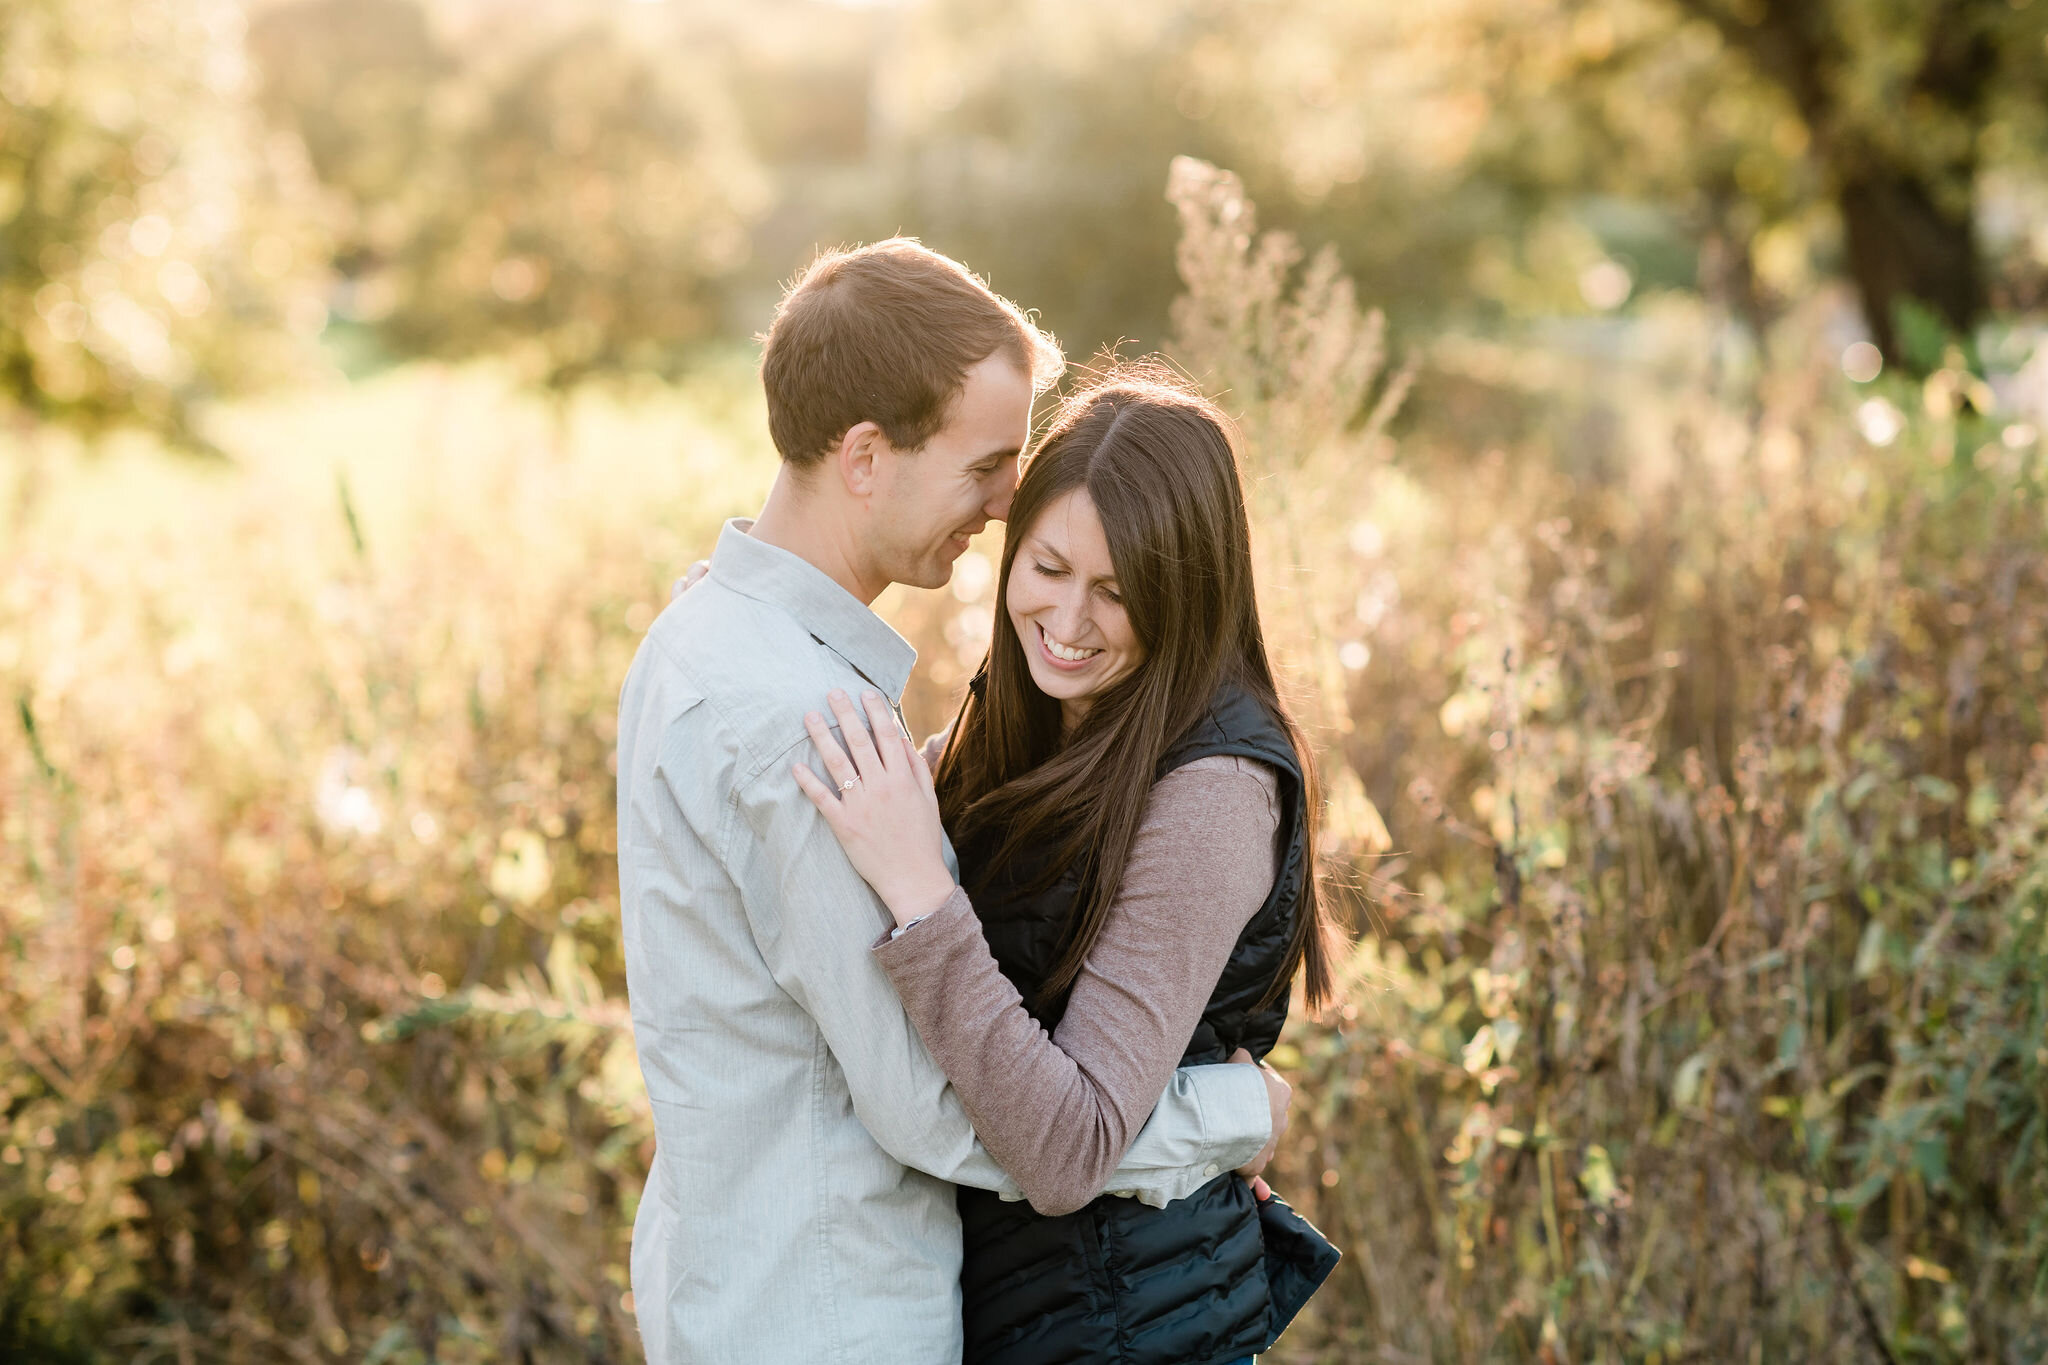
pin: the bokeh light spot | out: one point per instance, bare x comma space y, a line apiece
1605, 285
1880, 422
1862, 362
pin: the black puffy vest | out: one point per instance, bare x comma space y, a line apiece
1119, 1281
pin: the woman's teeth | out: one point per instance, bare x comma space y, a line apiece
1067, 652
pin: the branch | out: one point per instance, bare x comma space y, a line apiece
1959, 55
1792, 45
1845, 1262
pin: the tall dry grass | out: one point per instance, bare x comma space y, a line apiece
314, 1042
1687, 786
1685, 737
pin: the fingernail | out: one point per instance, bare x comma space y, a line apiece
836, 695
813, 716
871, 696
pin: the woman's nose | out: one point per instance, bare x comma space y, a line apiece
1069, 620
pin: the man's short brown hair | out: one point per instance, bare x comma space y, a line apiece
886, 333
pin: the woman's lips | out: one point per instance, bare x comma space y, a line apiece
1063, 665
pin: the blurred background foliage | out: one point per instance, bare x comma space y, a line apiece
1642, 402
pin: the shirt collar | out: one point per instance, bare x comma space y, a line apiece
834, 617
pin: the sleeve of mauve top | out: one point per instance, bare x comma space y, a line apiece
1057, 1112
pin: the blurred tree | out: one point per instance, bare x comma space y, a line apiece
1894, 106
1885, 113
1032, 141
1527, 157
149, 255
1771, 133
532, 179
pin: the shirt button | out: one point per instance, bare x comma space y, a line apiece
1209, 1169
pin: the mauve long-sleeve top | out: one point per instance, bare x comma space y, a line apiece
1201, 866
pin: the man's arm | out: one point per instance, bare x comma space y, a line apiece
815, 921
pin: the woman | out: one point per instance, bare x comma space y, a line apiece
1131, 806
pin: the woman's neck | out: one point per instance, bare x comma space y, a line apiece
1072, 711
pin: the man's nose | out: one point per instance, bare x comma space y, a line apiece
998, 505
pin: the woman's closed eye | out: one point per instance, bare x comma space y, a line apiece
1053, 571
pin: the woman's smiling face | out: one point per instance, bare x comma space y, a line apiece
1066, 608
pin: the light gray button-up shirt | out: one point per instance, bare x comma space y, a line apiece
800, 1208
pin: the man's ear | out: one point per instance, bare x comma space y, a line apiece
855, 457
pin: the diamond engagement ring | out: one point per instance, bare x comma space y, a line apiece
849, 784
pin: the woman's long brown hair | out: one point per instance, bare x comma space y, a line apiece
1159, 462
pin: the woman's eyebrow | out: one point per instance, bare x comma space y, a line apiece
1038, 546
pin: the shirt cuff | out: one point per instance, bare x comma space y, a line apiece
894, 948
1237, 1115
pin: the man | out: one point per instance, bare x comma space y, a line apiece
801, 1204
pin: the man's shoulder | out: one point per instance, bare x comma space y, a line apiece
752, 665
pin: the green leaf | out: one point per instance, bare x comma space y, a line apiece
1923, 336
1478, 1053
1790, 1042
1870, 951
1983, 806
394, 1338
1930, 1159
1685, 1084
1506, 1033
1596, 1177
1938, 790
1861, 1193
427, 1015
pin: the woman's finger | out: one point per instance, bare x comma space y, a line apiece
855, 733
690, 579
837, 764
890, 741
822, 797
924, 773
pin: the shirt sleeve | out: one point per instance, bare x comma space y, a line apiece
814, 919
1058, 1112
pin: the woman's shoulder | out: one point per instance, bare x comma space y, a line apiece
1236, 721
1218, 790
1226, 768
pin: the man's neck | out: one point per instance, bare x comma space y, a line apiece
795, 519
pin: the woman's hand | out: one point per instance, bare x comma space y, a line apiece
934, 747
884, 812
691, 579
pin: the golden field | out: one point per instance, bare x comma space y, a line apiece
1688, 797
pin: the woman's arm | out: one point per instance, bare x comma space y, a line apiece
1059, 1112
1197, 875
